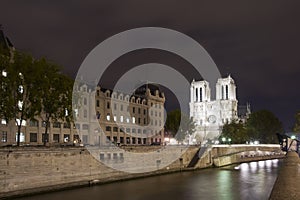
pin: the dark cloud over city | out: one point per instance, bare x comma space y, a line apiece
257, 42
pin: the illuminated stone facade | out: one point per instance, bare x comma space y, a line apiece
210, 115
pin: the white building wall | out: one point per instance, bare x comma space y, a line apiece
210, 115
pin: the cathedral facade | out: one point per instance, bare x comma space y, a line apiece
210, 115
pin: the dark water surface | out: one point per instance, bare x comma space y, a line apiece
245, 181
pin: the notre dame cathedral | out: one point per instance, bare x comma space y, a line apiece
210, 115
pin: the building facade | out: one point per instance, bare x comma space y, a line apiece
136, 119
210, 115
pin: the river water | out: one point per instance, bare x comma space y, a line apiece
252, 180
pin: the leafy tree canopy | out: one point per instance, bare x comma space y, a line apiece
179, 124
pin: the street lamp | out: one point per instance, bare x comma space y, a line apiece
223, 139
229, 140
293, 137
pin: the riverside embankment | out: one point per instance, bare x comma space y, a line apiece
25, 170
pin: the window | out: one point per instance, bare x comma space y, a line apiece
159, 114
200, 95
133, 120
98, 93
115, 129
45, 137
121, 118
67, 125
139, 131
33, 137
3, 121
115, 118
56, 138
108, 128
23, 122
78, 126
107, 105
144, 120
133, 110
4, 73
139, 120
226, 91
121, 108
101, 156
22, 137
85, 113
127, 130
4, 136
56, 125
85, 139
127, 120
98, 103
115, 156
84, 101
66, 137
115, 106
155, 113
133, 130
108, 117
139, 110
34, 123
85, 127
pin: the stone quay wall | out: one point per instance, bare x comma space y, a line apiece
288, 181
25, 170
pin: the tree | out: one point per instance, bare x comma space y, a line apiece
55, 90
4, 90
179, 124
263, 126
236, 131
296, 127
22, 82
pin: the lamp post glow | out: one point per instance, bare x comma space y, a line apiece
223, 139
293, 137
229, 140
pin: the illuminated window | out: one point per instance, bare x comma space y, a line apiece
23, 122
121, 118
4, 136
22, 137
3, 121
108, 117
133, 120
115, 118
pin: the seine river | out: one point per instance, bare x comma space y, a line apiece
245, 181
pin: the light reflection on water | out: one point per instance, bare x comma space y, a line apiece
252, 180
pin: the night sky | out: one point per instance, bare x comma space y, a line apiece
256, 41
